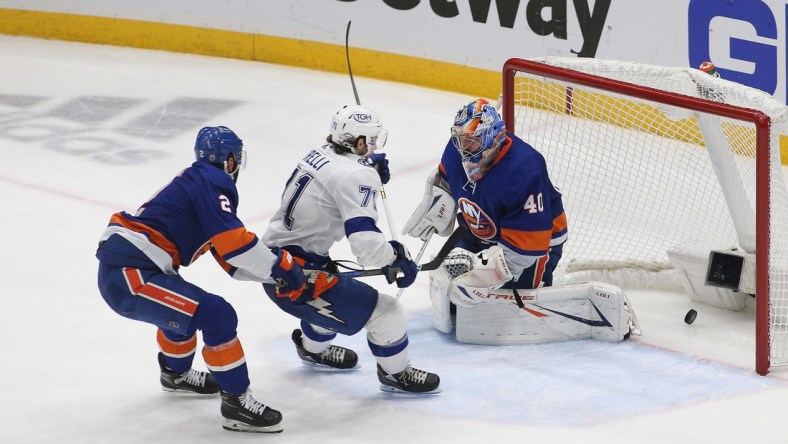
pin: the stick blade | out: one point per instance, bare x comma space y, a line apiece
449, 245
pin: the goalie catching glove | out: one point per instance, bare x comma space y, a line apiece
487, 270
435, 212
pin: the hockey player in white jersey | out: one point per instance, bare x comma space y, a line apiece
330, 195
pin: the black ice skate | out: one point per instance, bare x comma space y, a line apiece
243, 413
334, 357
410, 380
192, 381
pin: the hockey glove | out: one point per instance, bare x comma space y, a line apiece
436, 211
318, 281
402, 263
289, 277
381, 165
489, 271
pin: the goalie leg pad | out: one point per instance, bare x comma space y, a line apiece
439, 296
456, 263
565, 312
506, 324
612, 307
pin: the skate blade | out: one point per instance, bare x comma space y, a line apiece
390, 389
238, 426
189, 393
328, 368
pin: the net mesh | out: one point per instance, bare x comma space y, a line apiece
639, 177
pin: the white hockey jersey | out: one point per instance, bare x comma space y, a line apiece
330, 196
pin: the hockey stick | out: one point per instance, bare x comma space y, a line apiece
450, 243
418, 256
358, 102
347, 56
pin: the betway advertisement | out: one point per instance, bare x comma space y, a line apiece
745, 39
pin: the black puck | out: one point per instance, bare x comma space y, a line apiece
689, 318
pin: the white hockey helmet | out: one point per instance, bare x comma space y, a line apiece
354, 121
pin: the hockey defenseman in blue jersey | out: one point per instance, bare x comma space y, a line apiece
331, 195
139, 256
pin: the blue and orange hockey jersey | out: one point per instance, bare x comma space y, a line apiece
194, 213
515, 204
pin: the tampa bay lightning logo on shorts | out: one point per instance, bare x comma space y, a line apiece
478, 222
362, 118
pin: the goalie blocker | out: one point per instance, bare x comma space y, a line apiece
491, 315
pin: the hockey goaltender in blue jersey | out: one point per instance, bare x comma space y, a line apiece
516, 207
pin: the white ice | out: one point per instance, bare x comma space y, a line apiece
89, 130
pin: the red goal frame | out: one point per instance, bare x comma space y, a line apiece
762, 124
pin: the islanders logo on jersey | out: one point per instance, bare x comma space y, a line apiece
478, 222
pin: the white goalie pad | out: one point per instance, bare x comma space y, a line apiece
439, 296
456, 263
436, 211
568, 312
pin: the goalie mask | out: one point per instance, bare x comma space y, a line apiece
477, 134
353, 122
221, 146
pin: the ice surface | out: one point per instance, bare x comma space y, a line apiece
88, 130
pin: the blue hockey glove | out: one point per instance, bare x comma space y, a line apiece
289, 277
381, 164
402, 263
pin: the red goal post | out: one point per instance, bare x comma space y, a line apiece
618, 138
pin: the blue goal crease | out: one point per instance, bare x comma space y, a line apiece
572, 383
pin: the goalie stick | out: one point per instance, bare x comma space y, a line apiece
450, 243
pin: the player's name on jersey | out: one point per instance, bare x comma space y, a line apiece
316, 160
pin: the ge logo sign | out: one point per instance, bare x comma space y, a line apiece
740, 37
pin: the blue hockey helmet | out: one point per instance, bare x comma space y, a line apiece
477, 134
215, 144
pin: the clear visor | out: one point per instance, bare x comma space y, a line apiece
374, 135
240, 162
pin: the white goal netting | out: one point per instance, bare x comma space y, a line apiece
650, 157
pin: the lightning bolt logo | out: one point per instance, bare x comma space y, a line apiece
322, 308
